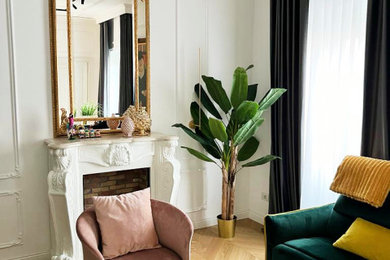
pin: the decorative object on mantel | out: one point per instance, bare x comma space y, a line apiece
127, 126
234, 143
64, 120
113, 123
70, 131
87, 132
140, 118
80, 131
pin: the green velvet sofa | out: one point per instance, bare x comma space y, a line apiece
310, 233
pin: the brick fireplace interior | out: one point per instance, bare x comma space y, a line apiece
114, 183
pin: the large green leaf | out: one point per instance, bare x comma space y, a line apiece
232, 126
246, 111
204, 121
196, 137
198, 154
240, 87
252, 92
217, 93
209, 145
271, 97
206, 102
248, 149
262, 160
218, 129
248, 129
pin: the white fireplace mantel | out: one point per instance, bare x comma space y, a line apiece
70, 160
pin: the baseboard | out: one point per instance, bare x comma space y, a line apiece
208, 222
257, 216
36, 256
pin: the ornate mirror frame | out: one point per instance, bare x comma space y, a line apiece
54, 71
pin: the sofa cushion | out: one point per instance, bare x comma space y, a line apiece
356, 209
283, 251
366, 239
346, 211
162, 253
320, 248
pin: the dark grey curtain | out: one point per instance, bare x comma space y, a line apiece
376, 111
106, 43
288, 38
126, 95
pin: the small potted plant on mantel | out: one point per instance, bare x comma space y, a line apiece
229, 136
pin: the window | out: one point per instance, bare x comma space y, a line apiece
332, 93
112, 90
111, 98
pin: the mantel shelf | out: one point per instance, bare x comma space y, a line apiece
64, 143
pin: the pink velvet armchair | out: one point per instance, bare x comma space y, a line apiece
173, 227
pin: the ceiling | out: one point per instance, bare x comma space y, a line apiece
100, 10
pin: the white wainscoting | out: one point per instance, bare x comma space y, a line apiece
11, 223
11, 231
9, 114
24, 111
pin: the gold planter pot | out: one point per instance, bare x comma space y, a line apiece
226, 228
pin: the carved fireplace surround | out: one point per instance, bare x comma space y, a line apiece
70, 160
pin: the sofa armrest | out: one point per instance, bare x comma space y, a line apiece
279, 228
174, 228
89, 235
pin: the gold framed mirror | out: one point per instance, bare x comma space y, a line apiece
100, 61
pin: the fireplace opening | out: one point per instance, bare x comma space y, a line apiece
114, 183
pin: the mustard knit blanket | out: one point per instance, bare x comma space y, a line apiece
363, 179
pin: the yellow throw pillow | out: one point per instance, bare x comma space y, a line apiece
366, 239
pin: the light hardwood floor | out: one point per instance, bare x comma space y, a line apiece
248, 244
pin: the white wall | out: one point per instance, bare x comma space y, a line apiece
259, 176
32, 125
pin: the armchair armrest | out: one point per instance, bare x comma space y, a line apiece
279, 228
174, 228
89, 234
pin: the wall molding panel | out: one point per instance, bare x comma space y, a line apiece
18, 238
15, 130
35, 256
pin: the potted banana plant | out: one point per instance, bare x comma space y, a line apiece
228, 134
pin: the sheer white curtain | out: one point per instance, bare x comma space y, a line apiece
332, 93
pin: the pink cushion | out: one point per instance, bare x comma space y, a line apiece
126, 223
150, 254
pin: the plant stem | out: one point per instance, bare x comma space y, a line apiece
224, 192
232, 181
231, 199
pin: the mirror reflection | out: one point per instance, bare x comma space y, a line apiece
142, 54
103, 57
62, 55
103, 63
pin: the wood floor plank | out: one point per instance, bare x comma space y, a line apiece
248, 244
